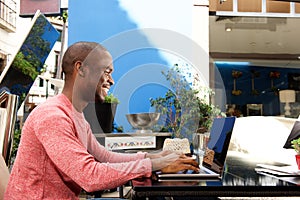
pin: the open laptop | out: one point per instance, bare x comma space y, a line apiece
294, 134
215, 155
283, 170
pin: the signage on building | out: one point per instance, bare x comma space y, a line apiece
48, 7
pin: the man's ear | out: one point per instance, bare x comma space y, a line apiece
79, 69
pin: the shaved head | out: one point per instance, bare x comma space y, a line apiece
78, 52
87, 67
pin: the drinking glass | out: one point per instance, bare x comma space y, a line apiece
200, 141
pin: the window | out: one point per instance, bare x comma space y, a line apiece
8, 15
3, 62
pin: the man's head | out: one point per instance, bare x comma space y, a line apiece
87, 67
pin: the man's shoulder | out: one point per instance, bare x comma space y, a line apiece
53, 105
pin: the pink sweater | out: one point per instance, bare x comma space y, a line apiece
58, 155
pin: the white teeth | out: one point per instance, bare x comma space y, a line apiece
106, 90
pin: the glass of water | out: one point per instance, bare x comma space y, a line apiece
200, 141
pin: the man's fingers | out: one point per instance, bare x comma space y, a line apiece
190, 167
190, 161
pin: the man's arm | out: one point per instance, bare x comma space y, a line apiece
71, 158
103, 155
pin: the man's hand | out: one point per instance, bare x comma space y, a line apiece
174, 162
182, 163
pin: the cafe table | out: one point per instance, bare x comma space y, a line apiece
239, 180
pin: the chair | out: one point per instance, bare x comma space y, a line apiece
4, 174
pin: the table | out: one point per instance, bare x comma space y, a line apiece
239, 180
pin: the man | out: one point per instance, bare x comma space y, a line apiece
58, 155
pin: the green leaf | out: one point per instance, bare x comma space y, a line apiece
110, 98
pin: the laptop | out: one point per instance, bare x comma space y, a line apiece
278, 170
214, 158
294, 134
283, 170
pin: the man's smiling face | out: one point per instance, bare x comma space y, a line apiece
95, 78
104, 84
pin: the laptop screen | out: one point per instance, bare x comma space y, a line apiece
218, 144
294, 134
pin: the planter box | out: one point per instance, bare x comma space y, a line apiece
100, 116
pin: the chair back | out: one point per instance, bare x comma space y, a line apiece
4, 174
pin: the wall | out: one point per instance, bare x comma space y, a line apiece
144, 37
262, 84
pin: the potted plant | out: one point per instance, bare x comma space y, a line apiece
185, 110
296, 146
110, 98
106, 112
100, 115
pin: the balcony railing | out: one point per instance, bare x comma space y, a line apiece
8, 15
